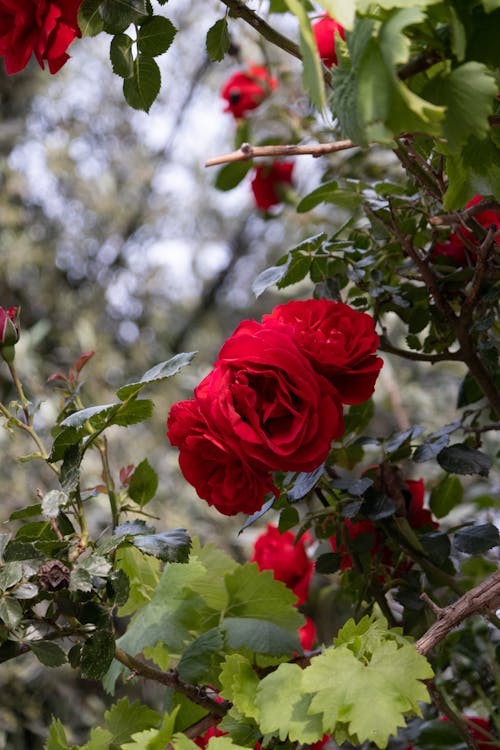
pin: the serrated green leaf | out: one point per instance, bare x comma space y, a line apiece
468, 93
120, 54
269, 277
90, 21
169, 546
143, 483
329, 193
141, 89
230, 175
64, 440
143, 572
159, 655
119, 14
97, 654
155, 36
259, 636
57, 737
11, 612
312, 74
239, 684
133, 412
52, 502
218, 40
475, 540
295, 719
212, 586
10, 574
125, 719
156, 374
462, 459
78, 418
48, 653
154, 739
446, 495
200, 657
473, 171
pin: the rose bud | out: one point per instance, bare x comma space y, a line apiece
9, 332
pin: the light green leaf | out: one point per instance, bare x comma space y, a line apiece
181, 742
218, 40
285, 709
80, 417
159, 372
468, 93
312, 74
10, 574
57, 737
100, 739
212, 586
475, 171
154, 739
255, 594
223, 743
239, 684
125, 719
141, 89
342, 11
158, 654
143, 573
11, 612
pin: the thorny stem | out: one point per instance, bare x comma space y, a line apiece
247, 151
31, 432
108, 480
19, 389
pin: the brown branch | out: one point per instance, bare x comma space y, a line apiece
247, 151
483, 599
240, 10
444, 707
386, 346
457, 217
197, 694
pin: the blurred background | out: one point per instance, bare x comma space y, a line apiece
114, 239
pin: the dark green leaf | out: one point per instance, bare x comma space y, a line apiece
446, 495
218, 40
97, 654
475, 540
70, 469
230, 175
143, 483
429, 450
10, 574
329, 193
437, 545
21, 551
119, 14
156, 374
169, 546
354, 487
118, 587
376, 505
461, 459
156, 35
133, 412
142, 88
78, 418
304, 483
133, 527
260, 636
48, 653
469, 392
11, 612
269, 277
90, 20
74, 655
329, 562
197, 661
120, 54
29, 512
288, 519
64, 440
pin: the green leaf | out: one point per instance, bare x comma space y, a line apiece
218, 40
90, 21
154, 739
343, 11
78, 418
57, 737
159, 655
125, 719
239, 684
156, 374
133, 412
200, 657
269, 277
446, 495
143, 483
97, 654
430, 449
169, 546
259, 636
64, 440
329, 193
312, 75
119, 14
11, 612
295, 718
461, 459
475, 540
52, 502
142, 88
230, 175
468, 93
329, 562
120, 54
304, 483
48, 653
10, 574
473, 171
143, 573
155, 36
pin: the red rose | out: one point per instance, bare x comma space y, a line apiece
265, 393
203, 740
246, 90
324, 34
268, 181
9, 328
219, 475
307, 635
339, 342
44, 28
288, 561
454, 246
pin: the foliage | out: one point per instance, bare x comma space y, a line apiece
417, 257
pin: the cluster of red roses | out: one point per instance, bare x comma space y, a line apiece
458, 245
274, 401
246, 90
44, 28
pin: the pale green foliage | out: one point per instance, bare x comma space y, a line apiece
313, 80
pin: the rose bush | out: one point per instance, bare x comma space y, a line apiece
44, 28
245, 90
324, 32
339, 342
269, 181
456, 246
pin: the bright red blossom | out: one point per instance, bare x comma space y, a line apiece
245, 90
44, 28
269, 181
9, 329
339, 342
288, 561
307, 635
324, 34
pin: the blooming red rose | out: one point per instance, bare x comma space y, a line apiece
266, 394
268, 183
288, 561
339, 342
324, 34
219, 475
44, 28
245, 90
454, 246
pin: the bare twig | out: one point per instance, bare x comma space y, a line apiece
483, 599
241, 10
247, 151
386, 346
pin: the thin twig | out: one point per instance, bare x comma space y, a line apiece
386, 346
444, 707
247, 152
241, 10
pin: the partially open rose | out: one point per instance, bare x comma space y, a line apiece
246, 89
324, 34
288, 561
269, 182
